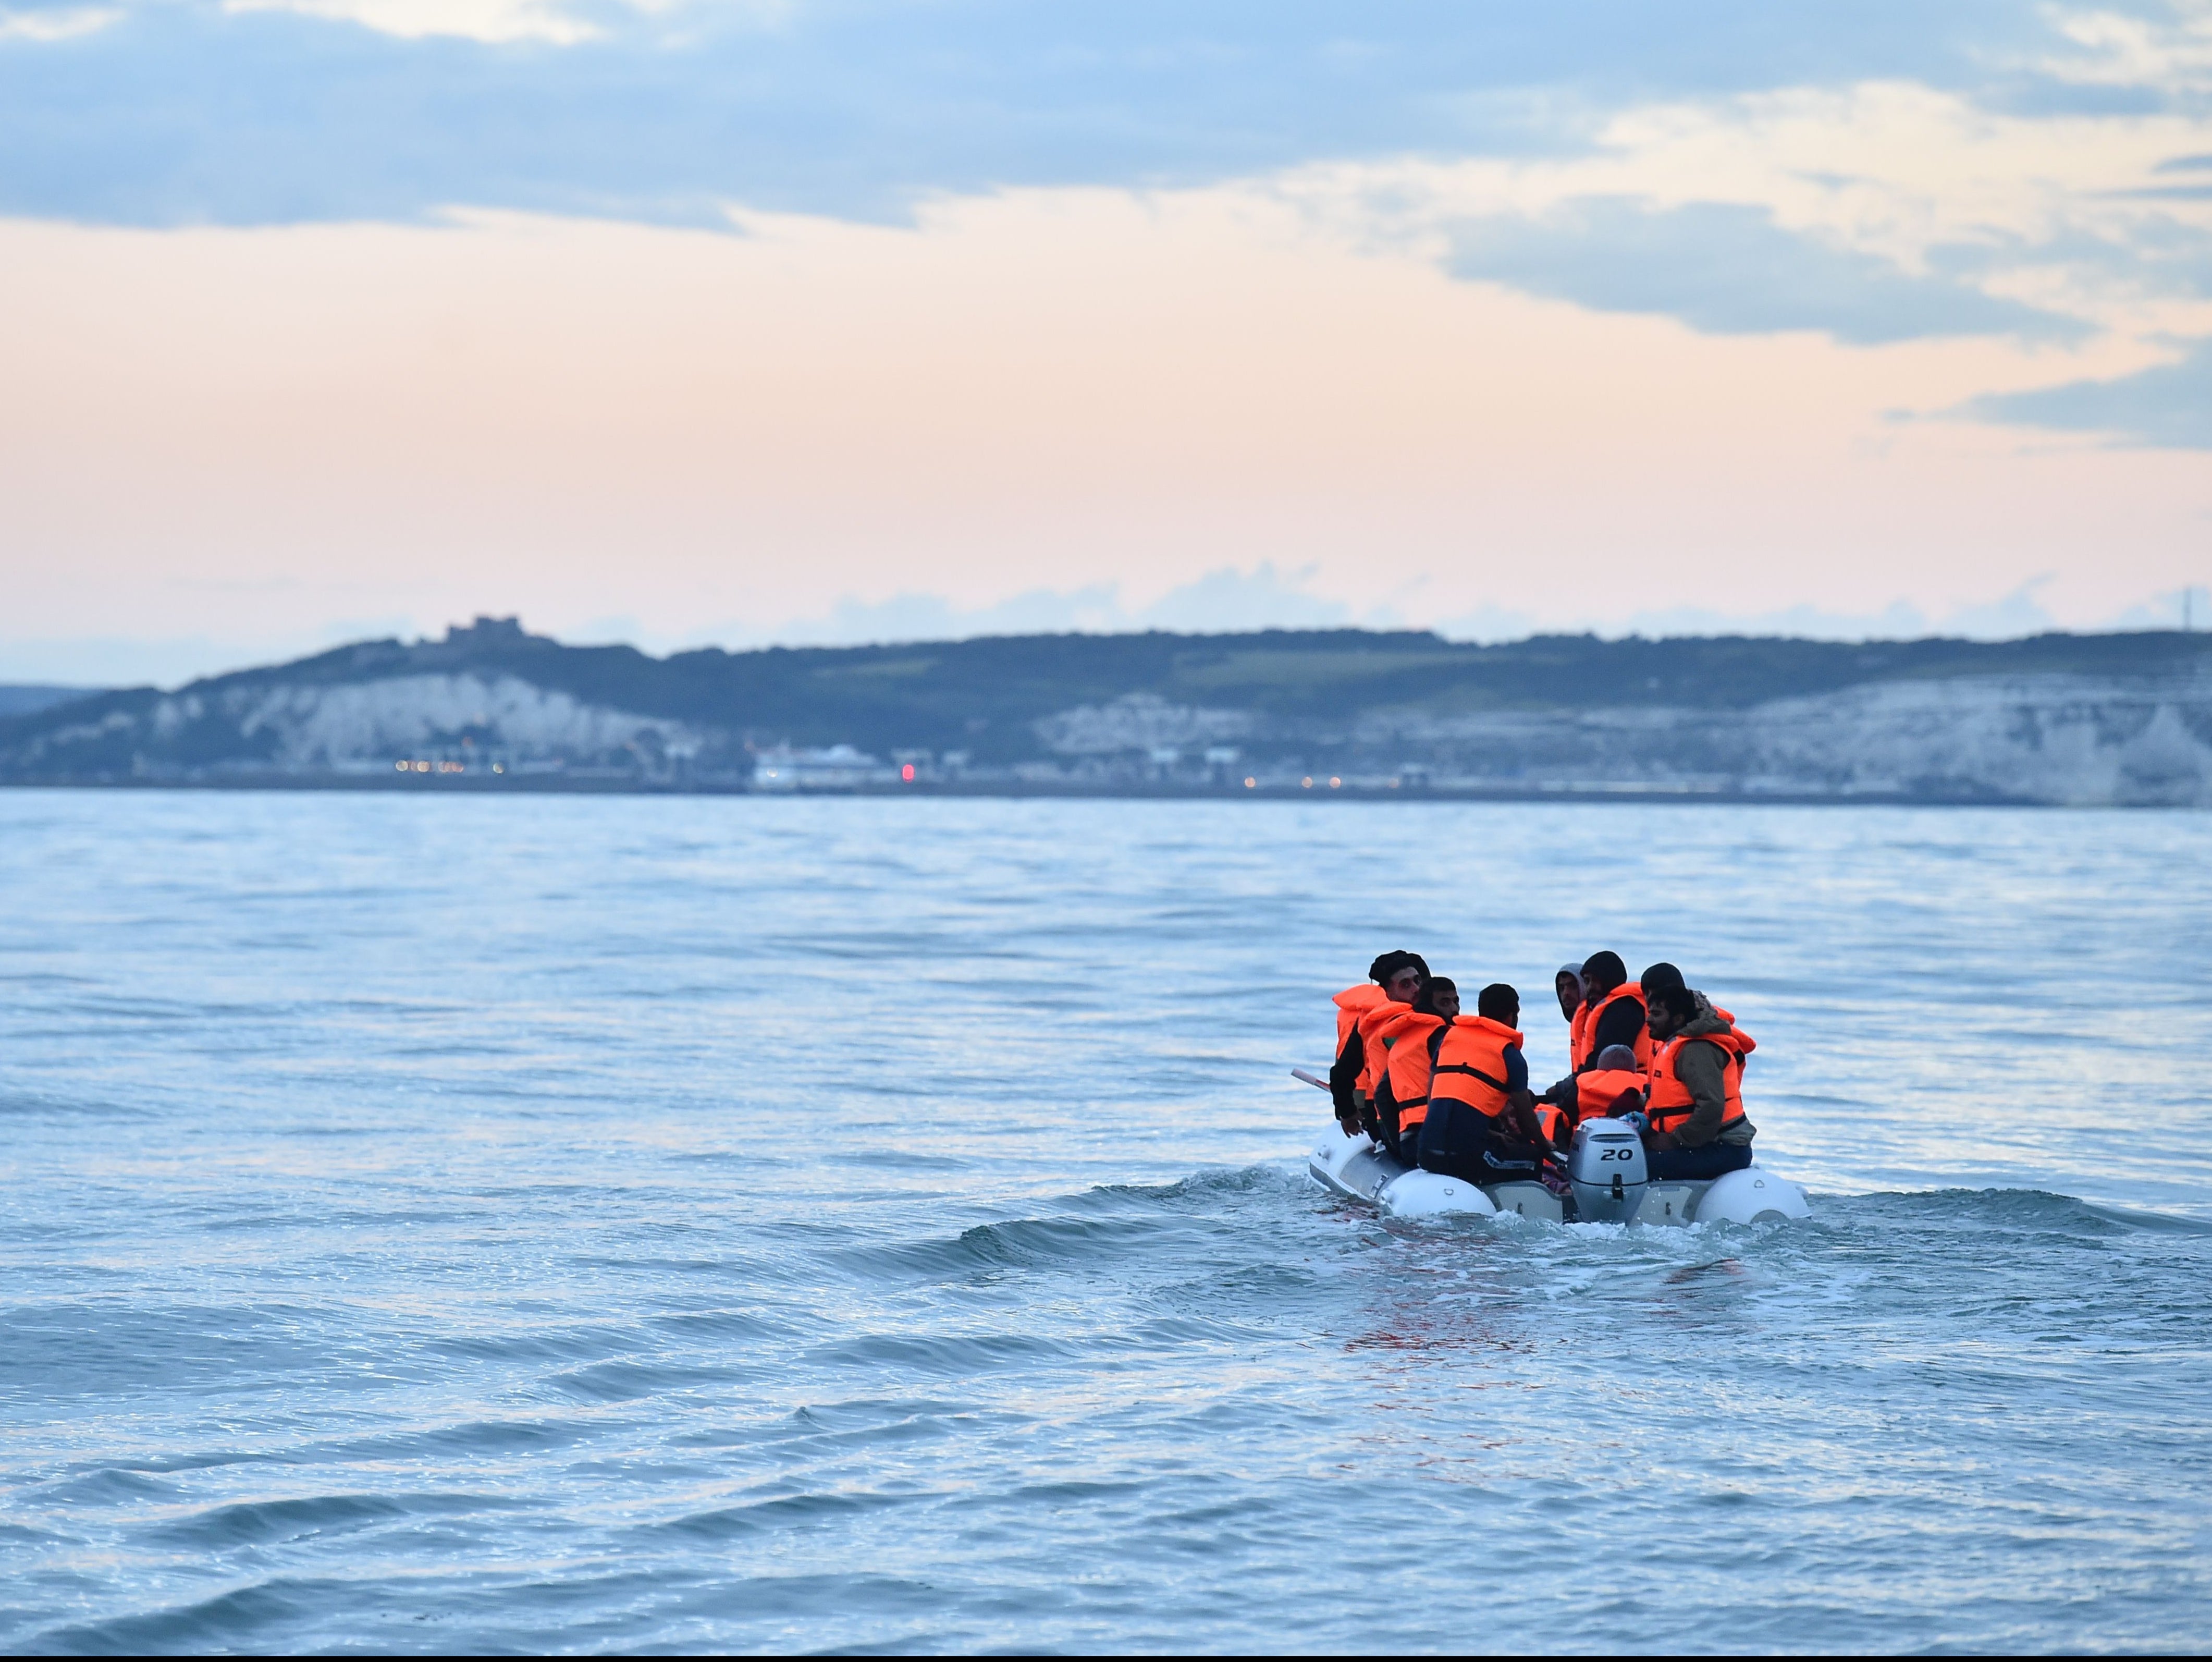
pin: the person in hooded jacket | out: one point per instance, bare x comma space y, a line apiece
1567, 988
1695, 1102
1393, 979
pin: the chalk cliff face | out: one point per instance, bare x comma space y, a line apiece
1139, 721
2063, 738
374, 723
2051, 739
2058, 719
409, 715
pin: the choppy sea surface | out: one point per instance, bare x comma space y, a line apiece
663, 1224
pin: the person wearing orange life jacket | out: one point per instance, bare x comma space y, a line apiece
1393, 979
1655, 977
1401, 1095
1616, 1012
1567, 988
1479, 1125
1344, 1072
1659, 976
1698, 1129
1376, 1031
1610, 1012
1612, 1085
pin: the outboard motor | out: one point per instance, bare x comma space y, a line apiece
1606, 1168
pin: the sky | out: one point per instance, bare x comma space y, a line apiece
688, 322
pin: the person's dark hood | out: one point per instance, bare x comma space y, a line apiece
1703, 1022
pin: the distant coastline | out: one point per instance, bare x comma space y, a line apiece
1347, 714
1013, 790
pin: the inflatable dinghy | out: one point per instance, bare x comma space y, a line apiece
1608, 1181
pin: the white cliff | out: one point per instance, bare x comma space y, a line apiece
2059, 739
1139, 722
2069, 739
373, 719
308, 725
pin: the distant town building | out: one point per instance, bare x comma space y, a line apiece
841, 767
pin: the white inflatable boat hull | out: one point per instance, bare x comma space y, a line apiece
1356, 1168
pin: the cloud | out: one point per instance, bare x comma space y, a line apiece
918, 616
2188, 607
2168, 407
1696, 160
2110, 45
51, 23
1727, 268
1225, 600
188, 111
2154, 256
2010, 617
1229, 599
121, 660
493, 21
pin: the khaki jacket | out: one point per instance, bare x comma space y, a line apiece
1700, 1067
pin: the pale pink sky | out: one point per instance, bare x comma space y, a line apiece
218, 445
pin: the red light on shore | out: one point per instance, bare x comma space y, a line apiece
907, 773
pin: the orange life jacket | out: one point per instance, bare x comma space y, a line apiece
1349, 1004
1553, 1121
1671, 1104
1577, 1035
1470, 1065
1746, 1044
1407, 1036
1376, 1048
1596, 1090
1643, 1046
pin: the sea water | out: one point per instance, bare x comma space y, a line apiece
659, 1223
